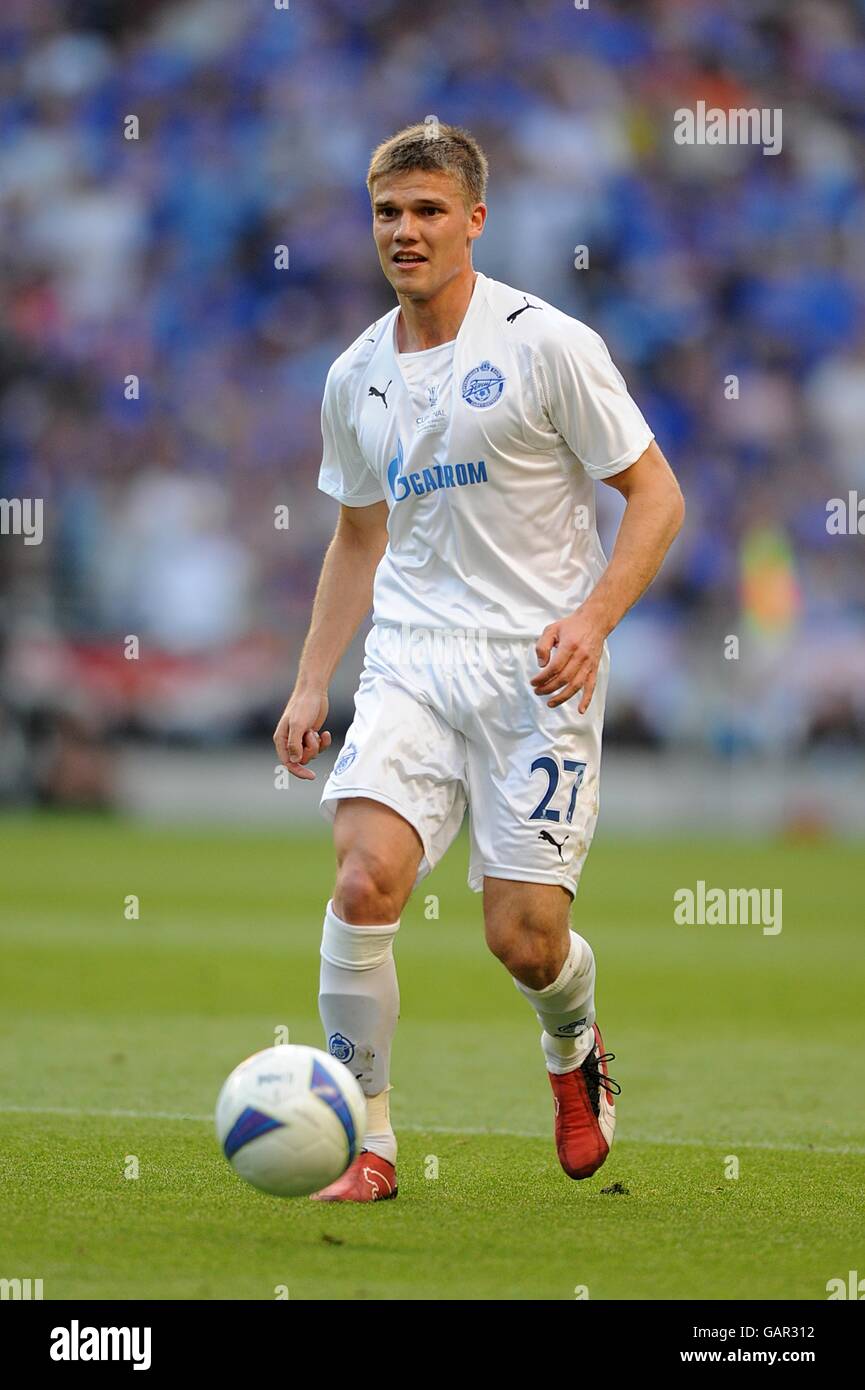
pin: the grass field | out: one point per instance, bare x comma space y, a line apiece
118, 1034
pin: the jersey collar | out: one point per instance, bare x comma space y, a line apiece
479, 294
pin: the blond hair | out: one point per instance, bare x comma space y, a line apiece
433, 146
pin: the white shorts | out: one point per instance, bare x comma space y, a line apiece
440, 725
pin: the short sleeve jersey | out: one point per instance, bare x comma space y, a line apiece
485, 450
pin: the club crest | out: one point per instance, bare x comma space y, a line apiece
340, 1047
345, 759
483, 385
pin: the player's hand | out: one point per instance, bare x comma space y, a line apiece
570, 651
297, 738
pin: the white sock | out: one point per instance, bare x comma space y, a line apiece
379, 1137
566, 1009
359, 1006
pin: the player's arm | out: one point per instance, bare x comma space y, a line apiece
342, 600
654, 513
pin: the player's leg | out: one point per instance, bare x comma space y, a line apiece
377, 857
533, 779
528, 928
396, 795
378, 854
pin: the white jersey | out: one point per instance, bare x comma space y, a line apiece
485, 450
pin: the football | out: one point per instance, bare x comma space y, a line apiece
290, 1119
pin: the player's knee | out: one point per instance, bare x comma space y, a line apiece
365, 893
530, 956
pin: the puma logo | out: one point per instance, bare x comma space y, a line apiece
382, 395
545, 835
370, 1175
522, 309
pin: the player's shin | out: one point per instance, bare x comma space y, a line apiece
359, 1007
566, 1009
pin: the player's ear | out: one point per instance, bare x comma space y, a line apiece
477, 218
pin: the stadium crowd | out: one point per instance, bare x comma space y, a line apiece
161, 374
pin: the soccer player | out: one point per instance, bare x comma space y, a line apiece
463, 433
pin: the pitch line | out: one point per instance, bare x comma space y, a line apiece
672, 1140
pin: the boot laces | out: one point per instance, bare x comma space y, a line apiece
592, 1068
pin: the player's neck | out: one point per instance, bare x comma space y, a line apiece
427, 323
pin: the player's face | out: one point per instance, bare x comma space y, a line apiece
423, 230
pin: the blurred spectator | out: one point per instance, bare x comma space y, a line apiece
153, 258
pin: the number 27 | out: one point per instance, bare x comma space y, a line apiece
551, 768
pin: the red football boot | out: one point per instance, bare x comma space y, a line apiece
368, 1179
585, 1113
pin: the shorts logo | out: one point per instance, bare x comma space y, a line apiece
339, 1047
345, 759
545, 835
483, 385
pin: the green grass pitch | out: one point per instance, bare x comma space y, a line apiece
729, 1044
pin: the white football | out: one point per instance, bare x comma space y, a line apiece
290, 1119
